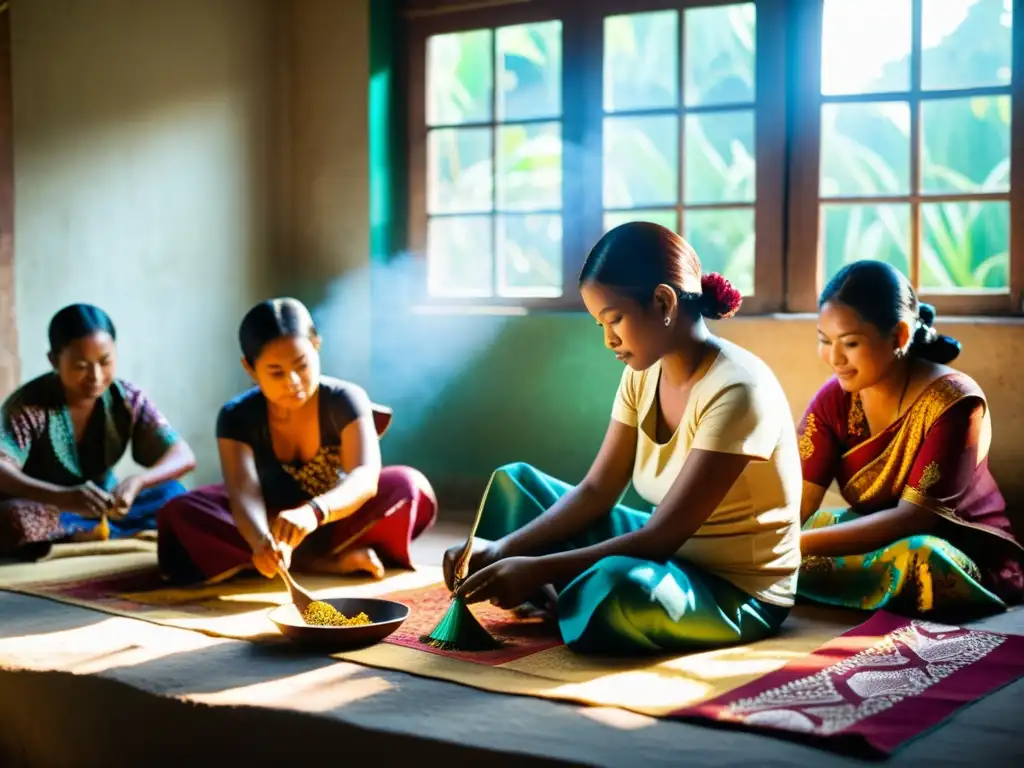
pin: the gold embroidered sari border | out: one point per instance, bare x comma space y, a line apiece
854, 487
917, 402
924, 501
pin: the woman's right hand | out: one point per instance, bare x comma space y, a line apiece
484, 553
87, 499
269, 556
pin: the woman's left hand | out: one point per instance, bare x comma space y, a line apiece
507, 583
291, 526
124, 496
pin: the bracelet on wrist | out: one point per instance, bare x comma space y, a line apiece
318, 511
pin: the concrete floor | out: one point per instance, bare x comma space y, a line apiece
85, 688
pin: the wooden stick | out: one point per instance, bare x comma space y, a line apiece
300, 597
462, 564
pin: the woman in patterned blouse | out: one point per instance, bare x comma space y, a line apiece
62, 433
906, 438
300, 454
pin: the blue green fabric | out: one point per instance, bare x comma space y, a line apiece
920, 575
626, 605
141, 516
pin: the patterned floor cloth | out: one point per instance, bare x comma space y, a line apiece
876, 685
882, 684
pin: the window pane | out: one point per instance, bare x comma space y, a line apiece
724, 242
853, 232
641, 161
460, 77
865, 46
459, 178
965, 245
966, 43
719, 165
530, 167
719, 51
460, 256
666, 218
530, 255
965, 145
641, 55
530, 71
865, 149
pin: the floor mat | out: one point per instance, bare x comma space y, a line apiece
879, 685
875, 685
531, 662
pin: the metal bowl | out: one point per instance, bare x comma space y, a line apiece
385, 615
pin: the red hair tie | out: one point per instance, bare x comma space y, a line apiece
720, 298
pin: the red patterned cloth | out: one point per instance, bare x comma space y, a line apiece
519, 637
879, 685
25, 523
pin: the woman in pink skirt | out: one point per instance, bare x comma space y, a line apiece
300, 454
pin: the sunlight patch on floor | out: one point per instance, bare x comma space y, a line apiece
104, 645
319, 690
619, 719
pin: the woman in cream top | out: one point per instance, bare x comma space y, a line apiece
737, 407
702, 429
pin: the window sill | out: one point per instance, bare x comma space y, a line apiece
518, 310
942, 321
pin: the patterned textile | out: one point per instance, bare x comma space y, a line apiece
320, 474
37, 436
25, 523
27, 528
877, 686
935, 456
919, 575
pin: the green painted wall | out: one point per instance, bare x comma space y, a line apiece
472, 393
469, 392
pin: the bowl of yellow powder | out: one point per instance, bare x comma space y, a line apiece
342, 623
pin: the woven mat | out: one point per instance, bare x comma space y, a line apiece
532, 661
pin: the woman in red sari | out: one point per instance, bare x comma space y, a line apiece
906, 438
301, 459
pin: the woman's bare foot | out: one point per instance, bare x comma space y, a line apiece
359, 560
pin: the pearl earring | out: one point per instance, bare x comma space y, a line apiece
667, 321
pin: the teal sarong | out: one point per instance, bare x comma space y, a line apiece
625, 605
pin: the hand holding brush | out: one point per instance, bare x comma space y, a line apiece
459, 629
463, 560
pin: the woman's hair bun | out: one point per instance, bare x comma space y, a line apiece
719, 298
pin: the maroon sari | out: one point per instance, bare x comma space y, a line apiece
934, 456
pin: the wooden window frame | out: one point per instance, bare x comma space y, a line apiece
419, 26
788, 258
805, 267
582, 131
